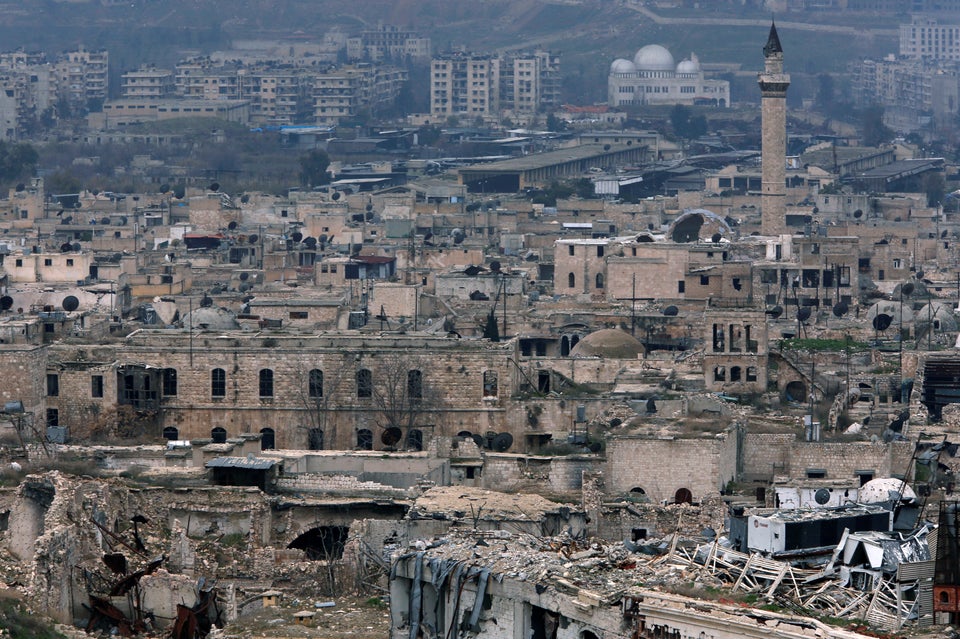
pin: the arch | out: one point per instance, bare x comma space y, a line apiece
171, 433
637, 490
364, 383
588, 634
564, 346
415, 439
683, 496
796, 391
571, 280
322, 543
720, 374
364, 439
735, 373
315, 439
315, 383
415, 384
218, 382
574, 340
268, 439
266, 382
219, 435
599, 280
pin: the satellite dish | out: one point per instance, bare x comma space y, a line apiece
369, 207
123, 220
502, 442
775, 312
920, 274
164, 188
840, 309
244, 276
65, 247
206, 301
310, 242
20, 187
105, 220
244, 198
70, 303
76, 246
391, 436
822, 496
803, 314
335, 196
214, 187
495, 266
6, 303
297, 236
882, 322
715, 238
478, 440
651, 405
858, 214
465, 433
232, 225
671, 311
253, 238
246, 286
906, 288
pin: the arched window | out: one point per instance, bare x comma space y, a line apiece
415, 439
735, 373
266, 382
364, 439
364, 383
315, 384
571, 280
599, 280
171, 433
218, 382
315, 439
564, 346
268, 439
218, 435
414, 384
720, 374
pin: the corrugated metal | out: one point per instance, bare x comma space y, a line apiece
910, 571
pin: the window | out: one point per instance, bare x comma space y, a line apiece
48, 262
600, 250
704, 280
268, 439
571, 280
266, 382
53, 384
298, 315
171, 433
19, 262
315, 384
218, 382
364, 439
570, 250
414, 384
53, 417
169, 382
681, 286
599, 280
490, 384
69, 261
218, 434
720, 374
315, 439
96, 385
364, 383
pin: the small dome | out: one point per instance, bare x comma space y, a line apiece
608, 343
688, 66
653, 57
621, 65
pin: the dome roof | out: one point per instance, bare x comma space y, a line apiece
653, 57
621, 65
688, 66
609, 343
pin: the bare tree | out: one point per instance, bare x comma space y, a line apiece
316, 391
402, 393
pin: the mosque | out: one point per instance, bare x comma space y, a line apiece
654, 78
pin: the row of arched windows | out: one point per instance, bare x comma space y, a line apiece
268, 439
572, 280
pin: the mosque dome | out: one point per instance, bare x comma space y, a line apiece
620, 65
608, 343
688, 66
653, 57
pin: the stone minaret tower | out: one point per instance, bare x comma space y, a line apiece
773, 87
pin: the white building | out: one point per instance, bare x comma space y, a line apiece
652, 77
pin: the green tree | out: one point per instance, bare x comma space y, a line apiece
875, 132
555, 124
313, 168
686, 125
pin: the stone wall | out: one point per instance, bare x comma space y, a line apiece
337, 485
766, 455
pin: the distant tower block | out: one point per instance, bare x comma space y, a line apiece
773, 89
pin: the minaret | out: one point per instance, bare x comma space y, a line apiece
773, 87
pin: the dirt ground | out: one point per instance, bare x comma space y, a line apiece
348, 618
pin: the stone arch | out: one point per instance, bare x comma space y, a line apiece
365, 439
322, 542
268, 439
171, 433
795, 391
218, 434
683, 496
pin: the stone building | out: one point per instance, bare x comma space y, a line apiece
652, 77
773, 89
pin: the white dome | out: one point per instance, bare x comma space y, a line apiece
688, 66
620, 65
653, 57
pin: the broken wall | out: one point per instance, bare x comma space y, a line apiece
765, 455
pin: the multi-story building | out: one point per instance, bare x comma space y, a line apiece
83, 77
465, 84
277, 96
147, 84
530, 82
910, 90
341, 94
388, 42
931, 37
